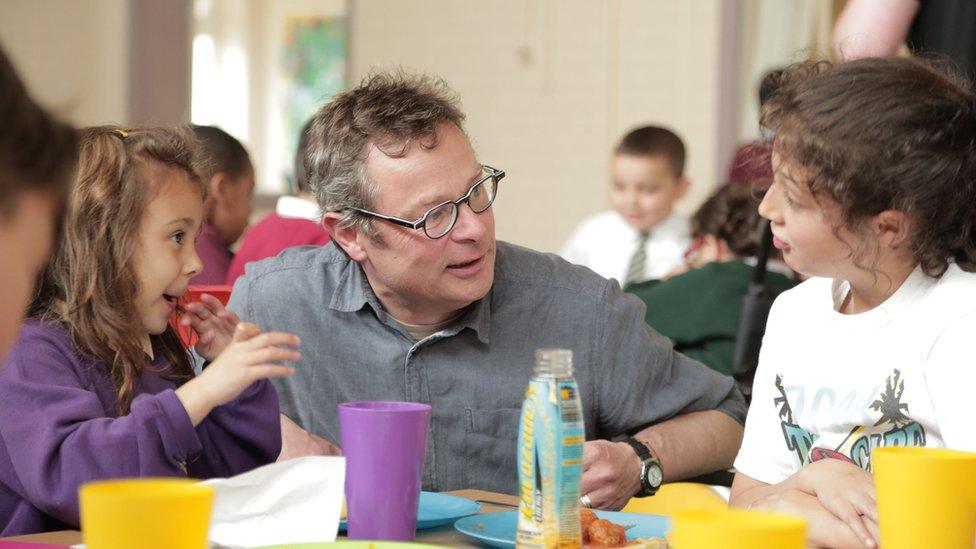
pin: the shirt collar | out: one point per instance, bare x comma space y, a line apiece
296, 208
353, 292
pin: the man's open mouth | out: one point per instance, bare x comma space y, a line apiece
464, 264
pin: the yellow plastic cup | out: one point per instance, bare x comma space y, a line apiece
736, 529
926, 497
146, 513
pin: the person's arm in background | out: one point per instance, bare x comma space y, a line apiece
872, 28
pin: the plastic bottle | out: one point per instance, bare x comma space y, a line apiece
550, 455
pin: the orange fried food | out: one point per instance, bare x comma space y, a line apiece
606, 534
586, 519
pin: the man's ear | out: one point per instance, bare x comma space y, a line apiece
683, 184
892, 228
345, 237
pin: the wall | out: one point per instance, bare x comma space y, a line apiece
72, 55
549, 86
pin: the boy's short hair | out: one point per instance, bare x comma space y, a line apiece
223, 152
655, 141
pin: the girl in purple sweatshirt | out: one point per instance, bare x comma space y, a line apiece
99, 386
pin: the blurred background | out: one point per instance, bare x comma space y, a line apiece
549, 86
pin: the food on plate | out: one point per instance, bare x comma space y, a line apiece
599, 532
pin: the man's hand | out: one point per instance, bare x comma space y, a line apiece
845, 490
611, 473
297, 442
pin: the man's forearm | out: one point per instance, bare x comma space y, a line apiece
694, 444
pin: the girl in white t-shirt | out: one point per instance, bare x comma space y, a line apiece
874, 198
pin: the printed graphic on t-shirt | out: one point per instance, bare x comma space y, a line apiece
893, 427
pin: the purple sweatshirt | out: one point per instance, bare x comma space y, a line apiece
59, 429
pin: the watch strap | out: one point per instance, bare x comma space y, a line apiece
647, 460
643, 452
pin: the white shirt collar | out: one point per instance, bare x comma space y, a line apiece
297, 208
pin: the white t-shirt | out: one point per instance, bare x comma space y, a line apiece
836, 385
605, 244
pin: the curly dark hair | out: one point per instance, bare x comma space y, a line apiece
885, 134
730, 214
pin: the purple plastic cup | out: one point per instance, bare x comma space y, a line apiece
385, 444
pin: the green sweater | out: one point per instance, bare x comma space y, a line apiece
699, 310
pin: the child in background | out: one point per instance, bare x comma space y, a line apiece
37, 156
699, 309
295, 222
99, 386
642, 238
874, 195
230, 189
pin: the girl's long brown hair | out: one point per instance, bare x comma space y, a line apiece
90, 285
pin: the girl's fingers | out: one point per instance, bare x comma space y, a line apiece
262, 371
274, 354
212, 303
247, 332
228, 324
269, 339
867, 507
199, 310
853, 519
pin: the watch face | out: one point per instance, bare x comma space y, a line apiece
654, 475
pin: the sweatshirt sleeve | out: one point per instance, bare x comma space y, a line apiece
59, 435
243, 434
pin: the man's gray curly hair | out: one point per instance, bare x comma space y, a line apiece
387, 109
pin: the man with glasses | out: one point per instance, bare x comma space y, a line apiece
415, 300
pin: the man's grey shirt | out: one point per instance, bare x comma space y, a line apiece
474, 373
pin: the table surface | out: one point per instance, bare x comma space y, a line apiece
444, 535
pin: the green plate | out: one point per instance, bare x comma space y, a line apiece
354, 545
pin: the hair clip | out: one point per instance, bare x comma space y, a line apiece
121, 133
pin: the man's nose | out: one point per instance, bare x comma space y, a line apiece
469, 225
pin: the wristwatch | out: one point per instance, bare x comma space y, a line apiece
651, 474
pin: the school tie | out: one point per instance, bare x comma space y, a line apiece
635, 269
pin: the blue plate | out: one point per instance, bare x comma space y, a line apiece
498, 529
437, 510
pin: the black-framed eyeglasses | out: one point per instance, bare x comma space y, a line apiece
439, 220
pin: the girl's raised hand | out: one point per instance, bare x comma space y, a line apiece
249, 357
213, 323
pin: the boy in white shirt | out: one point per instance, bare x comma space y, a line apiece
642, 238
